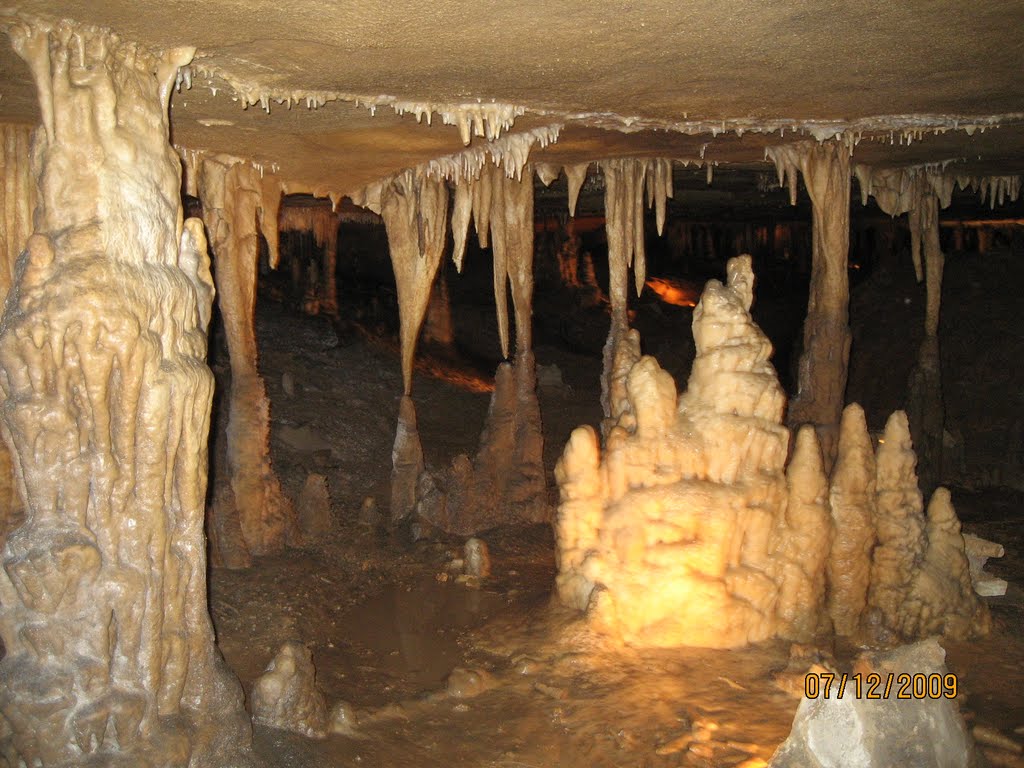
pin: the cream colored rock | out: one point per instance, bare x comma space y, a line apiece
825, 167
942, 600
852, 502
676, 533
899, 523
477, 558
414, 207
17, 201
286, 695
978, 552
110, 653
232, 194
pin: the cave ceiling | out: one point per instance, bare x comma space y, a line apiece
703, 80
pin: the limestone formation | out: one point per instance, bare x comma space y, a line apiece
17, 201
477, 558
852, 503
978, 552
106, 406
314, 507
675, 532
689, 527
322, 222
505, 482
286, 695
414, 207
823, 365
232, 195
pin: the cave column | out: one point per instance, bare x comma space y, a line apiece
17, 201
328, 280
924, 402
414, 207
821, 385
106, 408
231, 191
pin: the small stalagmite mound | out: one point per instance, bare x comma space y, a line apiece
286, 695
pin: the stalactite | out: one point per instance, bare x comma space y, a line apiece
823, 365
414, 207
505, 482
575, 175
322, 222
110, 653
17, 201
232, 196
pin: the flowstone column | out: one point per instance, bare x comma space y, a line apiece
17, 201
232, 195
106, 407
823, 365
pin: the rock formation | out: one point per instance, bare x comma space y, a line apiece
504, 483
106, 407
17, 201
286, 695
852, 502
826, 352
232, 194
322, 222
414, 207
689, 527
862, 732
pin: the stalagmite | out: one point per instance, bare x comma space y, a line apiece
232, 195
414, 207
826, 351
942, 600
899, 522
689, 528
504, 483
286, 695
675, 533
110, 656
852, 501
17, 201
803, 537
438, 330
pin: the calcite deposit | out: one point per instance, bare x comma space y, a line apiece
821, 385
504, 483
106, 407
692, 524
286, 695
233, 203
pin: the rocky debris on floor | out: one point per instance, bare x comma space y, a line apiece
342, 719
859, 732
467, 683
288, 383
286, 695
314, 507
979, 550
369, 512
477, 559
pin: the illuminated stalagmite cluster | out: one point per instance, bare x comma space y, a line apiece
106, 402
689, 527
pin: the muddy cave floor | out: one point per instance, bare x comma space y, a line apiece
387, 623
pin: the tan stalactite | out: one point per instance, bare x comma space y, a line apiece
107, 407
269, 212
232, 195
17, 202
823, 365
575, 176
415, 210
502, 208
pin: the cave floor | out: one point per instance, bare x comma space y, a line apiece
388, 620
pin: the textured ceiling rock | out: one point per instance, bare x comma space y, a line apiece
688, 71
